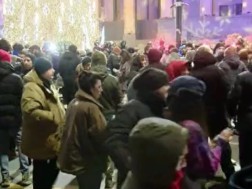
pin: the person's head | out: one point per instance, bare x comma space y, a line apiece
91, 84
230, 51
99, 58
17, 48
203, 58
73, 49
138, 62
154, 56
36, 50
177, 68
5, 45
152, 81
117, 51
189, 46
28, 61
86, 63
185, 100
44, 69
157, 152
205, 48
219, 47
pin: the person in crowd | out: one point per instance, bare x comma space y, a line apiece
124, 70
232, 65
168, 141
43, 117
152, 91
177, 68
165, 58
5, 45
36, 51
73, 49
215, 100
147, 47
138, 62
239, 106
11, 87
81, 150
85, 65
162, 46
112, 95
219, 47
27, 63
110, 99
17, 49
114, 60
186, 107
153, 57
243, 55
67, 70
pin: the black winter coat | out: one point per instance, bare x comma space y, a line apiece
240, 101
11, 87
215, 97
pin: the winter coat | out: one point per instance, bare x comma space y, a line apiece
11, 87
111, 96
124, 75
67, 69
83, 137
241, 179
113, 62
232, 66
43, 114
240, 102
120, 128
202, 161
215, 97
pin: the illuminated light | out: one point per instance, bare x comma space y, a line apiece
203, 9
52, 20
244, 4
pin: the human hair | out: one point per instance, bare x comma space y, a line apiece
73, 49
35, 47
18, 47
5, 45
87, 81
31, 56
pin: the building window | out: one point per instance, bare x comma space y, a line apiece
148, 9
230, 10
224, 10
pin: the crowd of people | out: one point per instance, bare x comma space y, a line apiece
161, 117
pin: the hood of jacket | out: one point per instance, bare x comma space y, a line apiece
99, 58
32, 76
101, 70
5, 69
232, 61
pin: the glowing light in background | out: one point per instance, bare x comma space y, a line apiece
51, 20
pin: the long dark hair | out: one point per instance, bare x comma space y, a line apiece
187, 105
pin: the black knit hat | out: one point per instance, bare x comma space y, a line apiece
42, 65
150, 80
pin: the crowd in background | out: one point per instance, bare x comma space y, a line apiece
163, 117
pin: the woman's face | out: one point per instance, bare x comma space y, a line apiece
162, 92
96, 91
27, 63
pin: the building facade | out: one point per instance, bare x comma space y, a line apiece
135, 20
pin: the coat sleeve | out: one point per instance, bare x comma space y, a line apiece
31, 103
234, 97
118, 136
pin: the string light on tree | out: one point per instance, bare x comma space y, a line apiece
36, 21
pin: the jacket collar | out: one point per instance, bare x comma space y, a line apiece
85, 96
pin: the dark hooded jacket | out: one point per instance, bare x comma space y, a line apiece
232, 66
215, 97
67, 66
11, 87
111, 96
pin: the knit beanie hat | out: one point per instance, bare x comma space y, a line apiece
203, 59
150, 80
155, 146
42, 65
154, 56
99, 58
5, 56
189, 83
